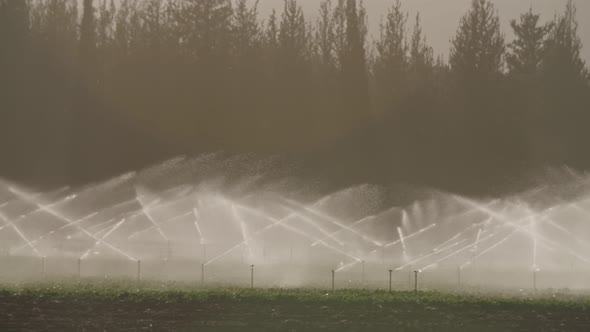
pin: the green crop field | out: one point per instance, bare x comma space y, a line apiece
129, 306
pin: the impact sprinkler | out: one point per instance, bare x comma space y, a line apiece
416, 282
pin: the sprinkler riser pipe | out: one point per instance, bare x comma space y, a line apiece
390, 278
202, 274
333, 277
43, 266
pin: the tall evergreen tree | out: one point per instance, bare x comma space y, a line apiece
272, 31
524, 61
153, 27
247, 87
86, 130
421, 54
563, 59
565, 93
246, 28
354, 67
294, 71
55, 35
526, 51
121, 35
478, 113
477, 50
204, 28
420, 66
324, 37
390, 65
293, 34
87, 50
15, 109
15, 41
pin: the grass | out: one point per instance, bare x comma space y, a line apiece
124, 304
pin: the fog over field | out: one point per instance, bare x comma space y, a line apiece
407, 165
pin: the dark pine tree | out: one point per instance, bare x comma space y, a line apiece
355, 86
86, 130
565, 93
524, 59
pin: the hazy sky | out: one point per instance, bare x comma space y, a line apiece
440, 18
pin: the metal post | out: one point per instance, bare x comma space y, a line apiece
409, 277
333, 273
43, 266
252, 276
390, 273
416, 282
202, 274
79, 268
535, 279
291, 252
459, 276
138, 270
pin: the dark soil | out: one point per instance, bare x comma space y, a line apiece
28, 313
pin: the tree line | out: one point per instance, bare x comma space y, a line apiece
89, 92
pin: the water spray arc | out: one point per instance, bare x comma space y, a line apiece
64, 219
354, 233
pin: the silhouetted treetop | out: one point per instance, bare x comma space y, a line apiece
477, 50
117, 84
527, 50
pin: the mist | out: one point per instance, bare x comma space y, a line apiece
203, 139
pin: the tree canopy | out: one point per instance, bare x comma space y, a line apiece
114, 85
